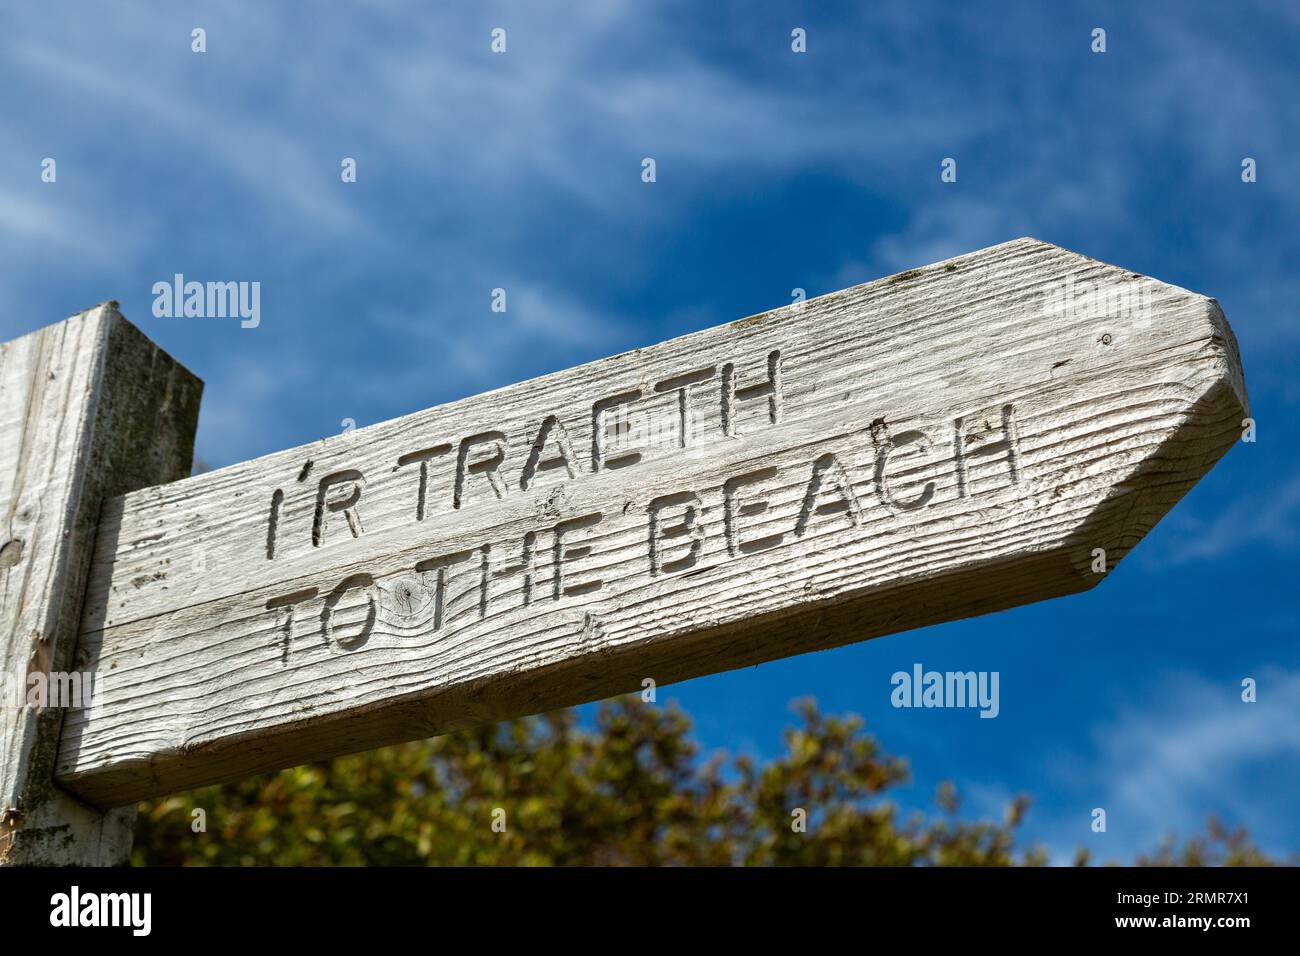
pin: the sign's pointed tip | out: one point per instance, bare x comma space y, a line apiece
1035, 242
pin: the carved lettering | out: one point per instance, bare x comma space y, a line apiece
735, 508
681, 384
963, 451
489, 466
733, 394
358, 582
886, 449
346, 503
828, 479
565, 552
689, 528
553, 431
600, 433
423, 457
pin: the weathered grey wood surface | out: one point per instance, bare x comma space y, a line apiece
88, 408
945, 442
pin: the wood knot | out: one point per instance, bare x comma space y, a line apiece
409, 596
11, 552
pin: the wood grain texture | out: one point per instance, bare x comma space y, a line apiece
945, 442
88, 408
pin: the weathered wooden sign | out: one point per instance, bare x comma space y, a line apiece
962, 438
88, 408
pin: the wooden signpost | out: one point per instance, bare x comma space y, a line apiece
88, 408
977, 434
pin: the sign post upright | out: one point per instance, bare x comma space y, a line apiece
89, 408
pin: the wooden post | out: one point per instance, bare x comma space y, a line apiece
89, 408
988, 431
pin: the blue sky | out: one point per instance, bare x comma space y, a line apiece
774, 171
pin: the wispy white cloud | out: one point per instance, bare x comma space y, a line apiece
1160, 765
261, 156
27, 220
470, 353
465, 156
1265, 517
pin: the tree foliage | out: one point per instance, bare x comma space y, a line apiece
632, 789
